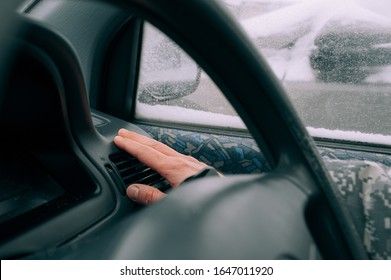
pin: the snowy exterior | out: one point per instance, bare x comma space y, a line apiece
333, 58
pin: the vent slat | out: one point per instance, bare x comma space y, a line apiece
153, 179
132, 171
137, 177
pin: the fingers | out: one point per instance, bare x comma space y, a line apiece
144, 194
145, 154
164, 149
170, 164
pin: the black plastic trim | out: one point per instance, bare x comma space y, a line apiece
120, 75
56, 118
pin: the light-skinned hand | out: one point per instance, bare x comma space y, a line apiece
170, 164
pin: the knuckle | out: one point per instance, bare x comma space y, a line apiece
175, 164
189, 158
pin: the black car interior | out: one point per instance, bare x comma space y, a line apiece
46, 177
62, 180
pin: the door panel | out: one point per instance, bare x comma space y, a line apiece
228, 154
363, 179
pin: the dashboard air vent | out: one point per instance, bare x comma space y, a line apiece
132, 171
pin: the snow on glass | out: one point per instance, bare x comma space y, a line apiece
325, 52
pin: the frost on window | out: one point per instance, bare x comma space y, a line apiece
166, 71
173, 88
333, 58
326, 41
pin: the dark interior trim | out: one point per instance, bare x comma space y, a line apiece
120, 71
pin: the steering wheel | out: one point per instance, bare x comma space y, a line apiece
292, 212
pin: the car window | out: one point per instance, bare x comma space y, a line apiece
172, 88
332, 57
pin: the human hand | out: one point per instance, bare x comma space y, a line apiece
170, 164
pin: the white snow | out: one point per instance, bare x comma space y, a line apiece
313, 14
354, 136
382, 76
176, 114
239, 2
300, 23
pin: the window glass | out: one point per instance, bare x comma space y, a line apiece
172, 88
333, 58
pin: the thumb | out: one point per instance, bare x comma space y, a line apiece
144, 194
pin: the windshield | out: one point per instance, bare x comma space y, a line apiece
333, 58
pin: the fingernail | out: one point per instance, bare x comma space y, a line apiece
118, 138
122, 130
133, 192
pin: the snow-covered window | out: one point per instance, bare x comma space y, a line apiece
173, 89
333, 58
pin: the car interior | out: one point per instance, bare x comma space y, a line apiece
69, 82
